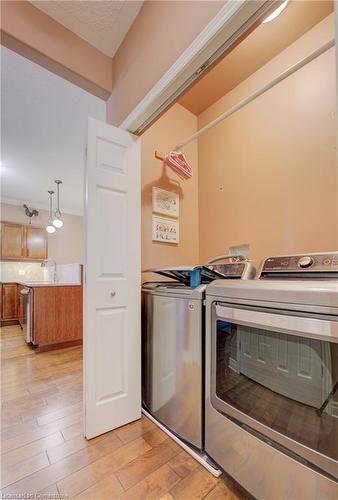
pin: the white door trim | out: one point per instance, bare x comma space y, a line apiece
236, 15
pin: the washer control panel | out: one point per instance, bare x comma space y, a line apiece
301, 263
230, 270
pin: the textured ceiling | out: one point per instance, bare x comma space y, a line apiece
43, 133
103, 24
268, 40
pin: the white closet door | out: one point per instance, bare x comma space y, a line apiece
112, 340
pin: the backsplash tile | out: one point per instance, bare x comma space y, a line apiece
68, 273
21, 271
32, 271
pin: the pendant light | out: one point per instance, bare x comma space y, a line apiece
50, 228
58, 222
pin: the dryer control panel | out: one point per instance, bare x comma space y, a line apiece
325, 263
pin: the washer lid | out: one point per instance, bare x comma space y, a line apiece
182, 273
174, 289
305, 292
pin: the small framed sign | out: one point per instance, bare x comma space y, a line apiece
165, 230
165, 202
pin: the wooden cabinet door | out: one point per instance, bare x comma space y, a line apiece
9, 301
12, 241
36, 243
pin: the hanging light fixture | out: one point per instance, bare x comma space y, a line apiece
58, 222
50, 228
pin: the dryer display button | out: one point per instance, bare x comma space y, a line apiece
305, 262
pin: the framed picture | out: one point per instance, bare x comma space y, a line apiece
166, 202
165, 230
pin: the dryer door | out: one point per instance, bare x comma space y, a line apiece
276, 374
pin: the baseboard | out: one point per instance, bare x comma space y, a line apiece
60, 345
9, 322
203, 459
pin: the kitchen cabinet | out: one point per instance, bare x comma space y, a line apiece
23, 242
11, 304
36, 243
56, 313
9, 301
57, 316
12, 241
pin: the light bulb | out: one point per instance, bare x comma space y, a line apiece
276, 12
57, 223
50, 229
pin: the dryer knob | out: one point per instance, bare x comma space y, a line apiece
305, 262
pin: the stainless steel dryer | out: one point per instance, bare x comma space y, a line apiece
272, 378
173, 345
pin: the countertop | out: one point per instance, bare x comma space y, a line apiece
33, 284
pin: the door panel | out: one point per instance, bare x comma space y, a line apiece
12, 241
23, 242
112, 332
9, 301
36, 243
111, 344
110, 201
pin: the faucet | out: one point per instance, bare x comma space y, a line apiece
45, 263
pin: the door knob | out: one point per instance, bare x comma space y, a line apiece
112, 294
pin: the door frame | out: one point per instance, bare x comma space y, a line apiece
230, 25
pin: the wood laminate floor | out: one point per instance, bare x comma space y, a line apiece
43, 449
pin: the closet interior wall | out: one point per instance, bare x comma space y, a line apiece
268, 174
176, 123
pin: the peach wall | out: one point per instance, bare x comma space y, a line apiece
268, 174
30, 32
159, 35
171, 127
66, 245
